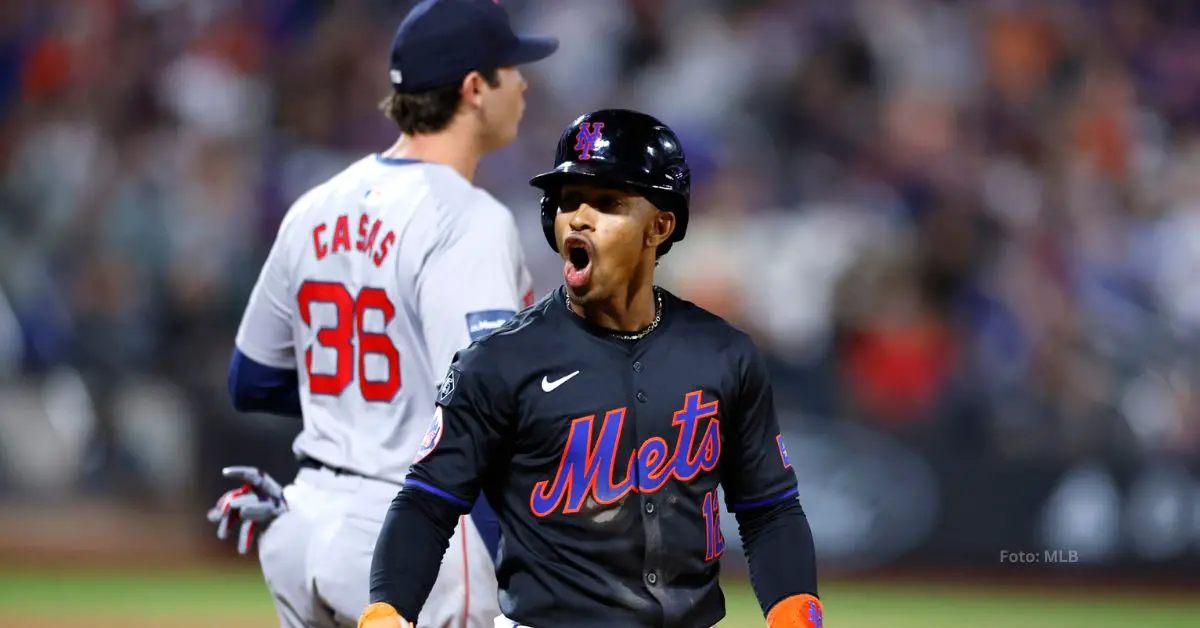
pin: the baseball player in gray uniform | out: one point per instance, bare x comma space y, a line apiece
375, 279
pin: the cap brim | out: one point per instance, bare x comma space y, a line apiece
531, 49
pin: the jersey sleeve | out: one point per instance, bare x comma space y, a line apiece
471, 282
265, 332
470, 430
759, 472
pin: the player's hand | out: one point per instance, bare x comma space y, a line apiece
797, 611
382, 615
255, 504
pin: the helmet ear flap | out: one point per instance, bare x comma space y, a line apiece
549, 211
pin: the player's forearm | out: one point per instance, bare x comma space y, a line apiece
779, 547
409, 551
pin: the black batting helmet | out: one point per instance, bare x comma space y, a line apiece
626, 148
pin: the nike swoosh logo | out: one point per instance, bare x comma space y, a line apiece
548, 385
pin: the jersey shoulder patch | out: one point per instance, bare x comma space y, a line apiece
433, 436
449, 386
783, 454
480, 324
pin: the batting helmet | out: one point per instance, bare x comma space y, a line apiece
626, 148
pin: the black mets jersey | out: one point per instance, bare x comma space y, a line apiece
602, 459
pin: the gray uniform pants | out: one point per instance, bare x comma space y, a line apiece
316, 558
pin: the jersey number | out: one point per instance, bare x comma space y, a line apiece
714, 541
341, 338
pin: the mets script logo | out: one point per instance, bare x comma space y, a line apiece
588, 465
585, 140
432, 436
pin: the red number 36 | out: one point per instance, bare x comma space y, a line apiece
342, 336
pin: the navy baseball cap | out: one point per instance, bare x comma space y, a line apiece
441, 41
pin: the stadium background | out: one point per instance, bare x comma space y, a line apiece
963, 231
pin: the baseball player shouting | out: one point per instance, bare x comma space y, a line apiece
600, 422
376, 278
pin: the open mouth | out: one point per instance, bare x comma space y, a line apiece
579, 257
579, 261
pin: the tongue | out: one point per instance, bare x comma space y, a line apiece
576, 277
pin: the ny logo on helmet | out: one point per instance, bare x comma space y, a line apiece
586, 139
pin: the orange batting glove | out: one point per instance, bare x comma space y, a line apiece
797, 611
382, 615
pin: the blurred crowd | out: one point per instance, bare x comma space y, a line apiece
971, 223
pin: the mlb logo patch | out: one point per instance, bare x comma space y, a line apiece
433, 436
783, 455
480, 324
446, 391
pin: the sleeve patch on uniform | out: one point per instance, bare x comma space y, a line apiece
528, 298
480, 324
446, 391
783, 455
432, 436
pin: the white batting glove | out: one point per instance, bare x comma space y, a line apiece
255, 504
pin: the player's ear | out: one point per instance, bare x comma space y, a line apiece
473, 85
662, 225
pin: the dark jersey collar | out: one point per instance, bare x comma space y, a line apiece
559, 296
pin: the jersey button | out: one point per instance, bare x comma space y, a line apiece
637, 367
651, 578
641, 396
649, 508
